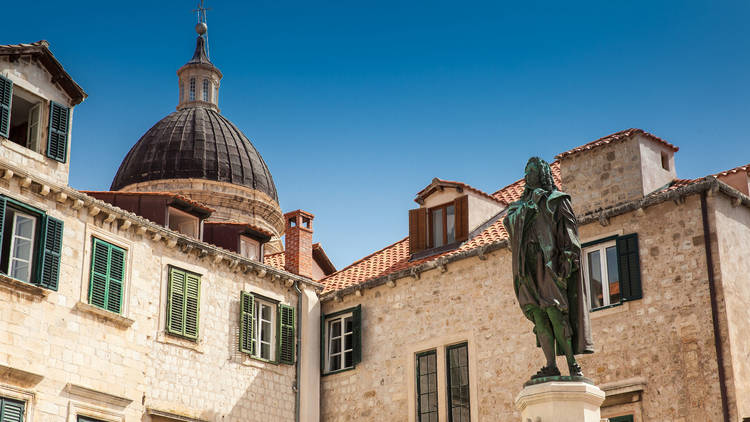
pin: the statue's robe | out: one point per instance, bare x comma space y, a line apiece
546, 258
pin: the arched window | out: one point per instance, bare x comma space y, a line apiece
206, 90
182, 92
192, 89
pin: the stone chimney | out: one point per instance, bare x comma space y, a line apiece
298, 243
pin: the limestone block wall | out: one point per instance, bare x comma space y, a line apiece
65, 357
663, 339
604, 176
733, 231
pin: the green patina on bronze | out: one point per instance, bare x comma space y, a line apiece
547, 277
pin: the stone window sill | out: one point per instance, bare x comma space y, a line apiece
116, 319
263, 364
610, 310
196, 346
13, 284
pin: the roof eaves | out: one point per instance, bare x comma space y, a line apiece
615, 137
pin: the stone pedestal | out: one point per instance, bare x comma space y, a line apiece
560, 401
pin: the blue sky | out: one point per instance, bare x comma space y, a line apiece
356, 106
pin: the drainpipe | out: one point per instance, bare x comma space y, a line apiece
298, 333
714, 308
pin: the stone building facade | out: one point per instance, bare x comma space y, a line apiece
172, 298
675, 351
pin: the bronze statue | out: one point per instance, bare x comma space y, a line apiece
546, 269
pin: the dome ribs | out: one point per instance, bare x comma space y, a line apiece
196, 143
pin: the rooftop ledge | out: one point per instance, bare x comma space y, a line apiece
126, 220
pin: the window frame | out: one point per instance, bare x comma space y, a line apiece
180, 213
601, 246
34, 145
191, 94
32, 262
430, 215
273, 305
342, 338
206, 90
255, 242
628, 267
24, 409
418, 383
356, 314
448, 386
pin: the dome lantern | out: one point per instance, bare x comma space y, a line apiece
199, 79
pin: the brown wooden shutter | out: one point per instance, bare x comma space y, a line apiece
462, 218
417, 230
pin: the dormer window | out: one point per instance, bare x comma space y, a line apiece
443, 225
249, 248
182, 222
439, 226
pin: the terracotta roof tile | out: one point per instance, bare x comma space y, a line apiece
745, 168
275, 260
618, 136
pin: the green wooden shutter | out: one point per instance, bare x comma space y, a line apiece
6, 96
107, 276
99, 272
247, 321
11, 410
192, 304
176, 304
629, 267
116, 279
51, 253
626, 418
57, 141
323, 344
357, 334
2, 221
285, 337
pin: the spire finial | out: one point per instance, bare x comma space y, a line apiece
202, 27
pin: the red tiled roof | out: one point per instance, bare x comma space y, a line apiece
172, 195
275, 260
440, 182
618, 136
745, 168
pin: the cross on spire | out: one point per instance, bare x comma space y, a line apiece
201, 12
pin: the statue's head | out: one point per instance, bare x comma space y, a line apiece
538, 175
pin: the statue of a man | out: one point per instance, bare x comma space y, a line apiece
546, 269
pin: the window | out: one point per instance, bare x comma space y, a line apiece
182, 92
612, 270
342, 341
249, 248
625, 418
31, 244
81, 418
458, 382
427, 389
664, 161
267, 329
21, 115
192, 89
107, 276
11, 410
206, 90
439, 226
183, 304
443, 225
182, 222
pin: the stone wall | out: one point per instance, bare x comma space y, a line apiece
604, 176
661, 344
64, 356
733, 230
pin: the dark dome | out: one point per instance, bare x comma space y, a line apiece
195, 142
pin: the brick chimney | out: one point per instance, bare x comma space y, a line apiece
298, 243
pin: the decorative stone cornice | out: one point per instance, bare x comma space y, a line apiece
69, 197
99, 396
